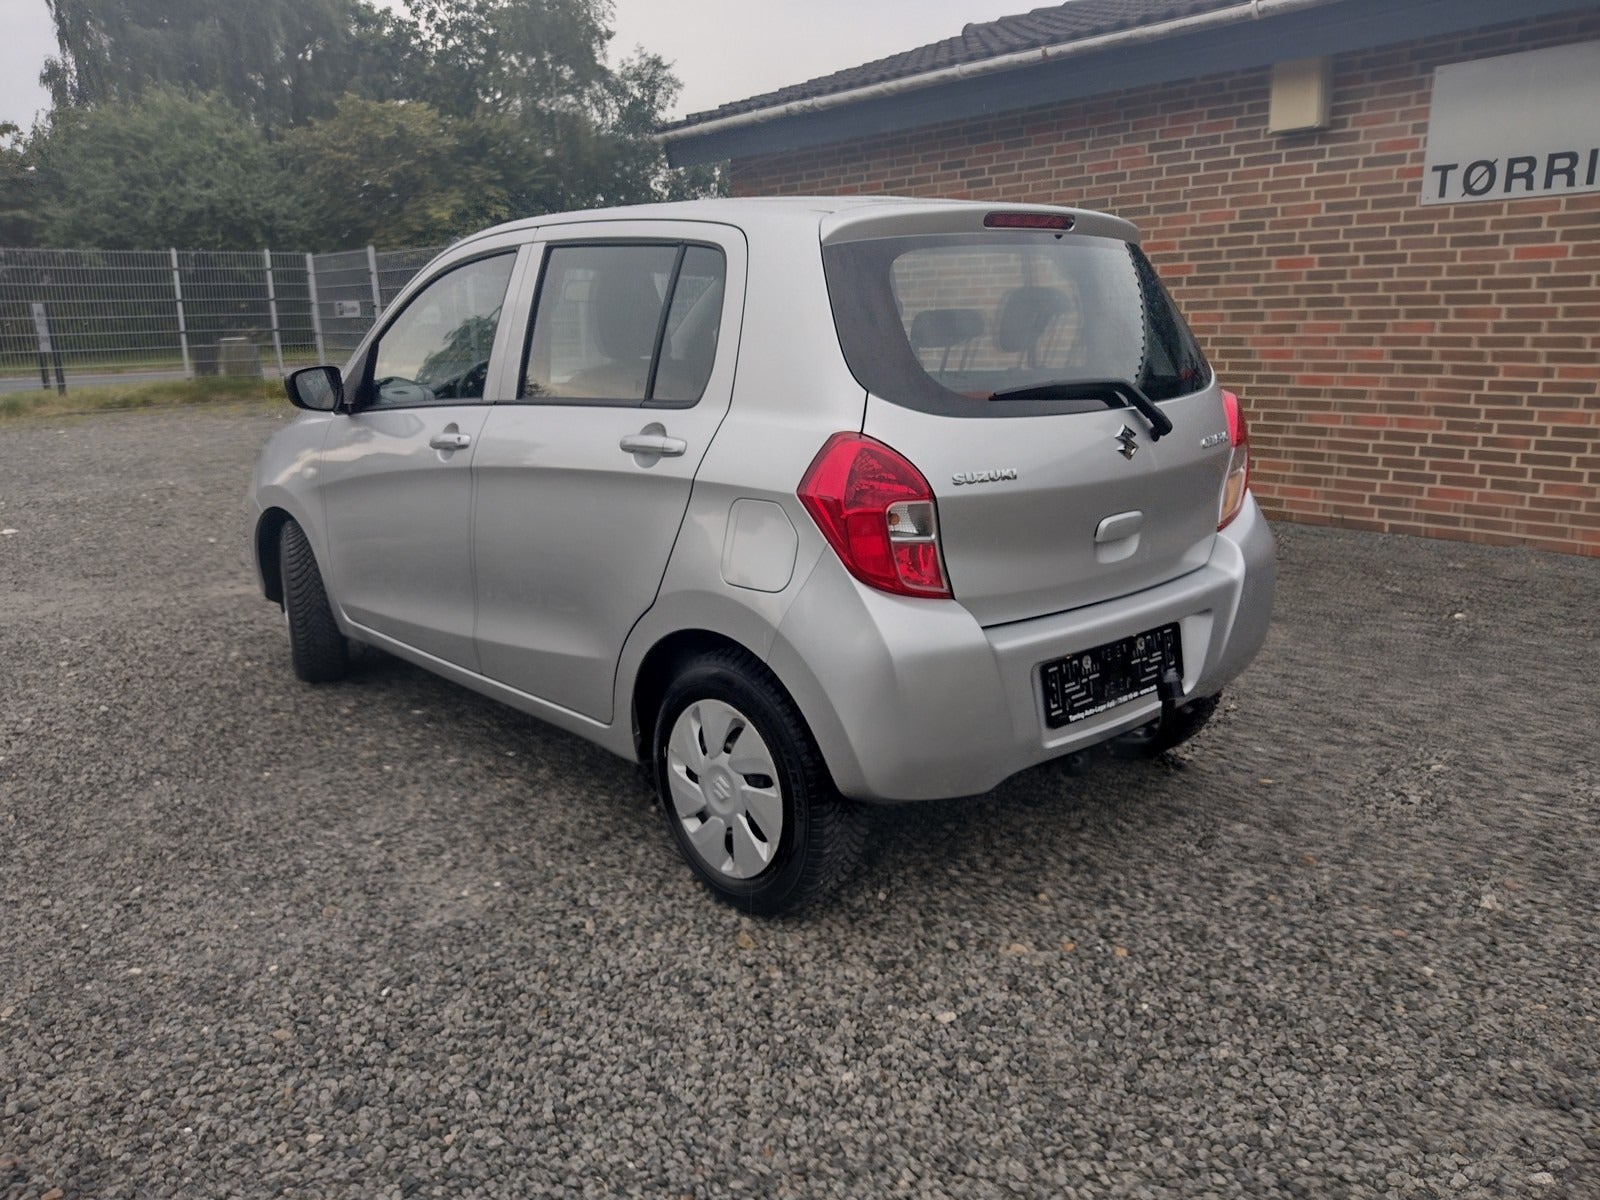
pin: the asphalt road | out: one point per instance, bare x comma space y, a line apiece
83, 379
385, 938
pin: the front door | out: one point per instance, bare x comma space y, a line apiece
397, 478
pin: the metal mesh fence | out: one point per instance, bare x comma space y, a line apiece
354, 285
347, 296
92, 316
290, 298
106, 309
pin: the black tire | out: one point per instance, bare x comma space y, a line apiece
822, 833
1156, 738
320, 653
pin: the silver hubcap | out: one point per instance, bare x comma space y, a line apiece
725, 791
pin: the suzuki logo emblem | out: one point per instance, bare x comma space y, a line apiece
1127, 444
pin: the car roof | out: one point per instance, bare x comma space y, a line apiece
835, 212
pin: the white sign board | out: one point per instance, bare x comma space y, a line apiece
347, 308
1516, 126
41, 328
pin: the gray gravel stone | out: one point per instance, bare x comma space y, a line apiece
386, 938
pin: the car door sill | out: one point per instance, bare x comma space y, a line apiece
600, 732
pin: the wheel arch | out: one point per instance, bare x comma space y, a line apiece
269, 528
661, 663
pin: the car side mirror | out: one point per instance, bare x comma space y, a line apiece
318, 389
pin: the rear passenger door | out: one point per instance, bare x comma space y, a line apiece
582, 479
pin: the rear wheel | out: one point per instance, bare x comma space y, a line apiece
744, 790
320, 653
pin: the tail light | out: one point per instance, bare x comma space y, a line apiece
1237, 479
877, 512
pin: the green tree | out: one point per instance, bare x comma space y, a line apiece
392, 174
636, 94
535, 58
534, 72
168, 170
333, 123
279, 61
19, 188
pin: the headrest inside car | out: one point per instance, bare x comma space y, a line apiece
1025, 314
938, 328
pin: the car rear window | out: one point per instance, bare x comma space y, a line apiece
952, 323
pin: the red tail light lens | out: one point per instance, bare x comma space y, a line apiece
878, 514
1027, 220
1237, 479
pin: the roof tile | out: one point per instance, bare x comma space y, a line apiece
1055, 25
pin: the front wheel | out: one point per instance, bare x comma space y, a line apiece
744, 790
318, 650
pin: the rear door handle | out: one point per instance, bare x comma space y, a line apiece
653, 443
450, 441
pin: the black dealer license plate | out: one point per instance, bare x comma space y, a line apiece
1093, 681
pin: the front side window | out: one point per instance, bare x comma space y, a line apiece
438, 348
625, 324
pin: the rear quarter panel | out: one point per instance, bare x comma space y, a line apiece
792, 390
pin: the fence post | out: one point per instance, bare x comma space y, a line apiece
377, 293
183, 329
272, 308
316, 317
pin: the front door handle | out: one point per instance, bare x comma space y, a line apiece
450, 441
655, 444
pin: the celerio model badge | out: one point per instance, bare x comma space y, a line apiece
995, 476
1127, 444
1213, 439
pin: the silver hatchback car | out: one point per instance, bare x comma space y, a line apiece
800, 502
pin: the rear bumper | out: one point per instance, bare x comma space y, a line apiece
911, 699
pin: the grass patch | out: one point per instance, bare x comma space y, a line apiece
123, 397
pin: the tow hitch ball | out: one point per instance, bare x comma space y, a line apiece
1166, 731
1170, 689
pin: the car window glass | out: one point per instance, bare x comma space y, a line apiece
1173, 363
598, 318
625, 324
438, 348
690, 345
951, 323
975, 316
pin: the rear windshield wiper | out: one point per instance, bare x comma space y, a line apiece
1114, 393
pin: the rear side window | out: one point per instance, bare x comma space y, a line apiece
626, 324
986, 325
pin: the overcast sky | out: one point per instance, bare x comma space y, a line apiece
722, 49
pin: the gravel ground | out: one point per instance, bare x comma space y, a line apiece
385, 938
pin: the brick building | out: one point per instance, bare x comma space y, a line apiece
1391, 250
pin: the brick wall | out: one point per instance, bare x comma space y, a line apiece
1423, 370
